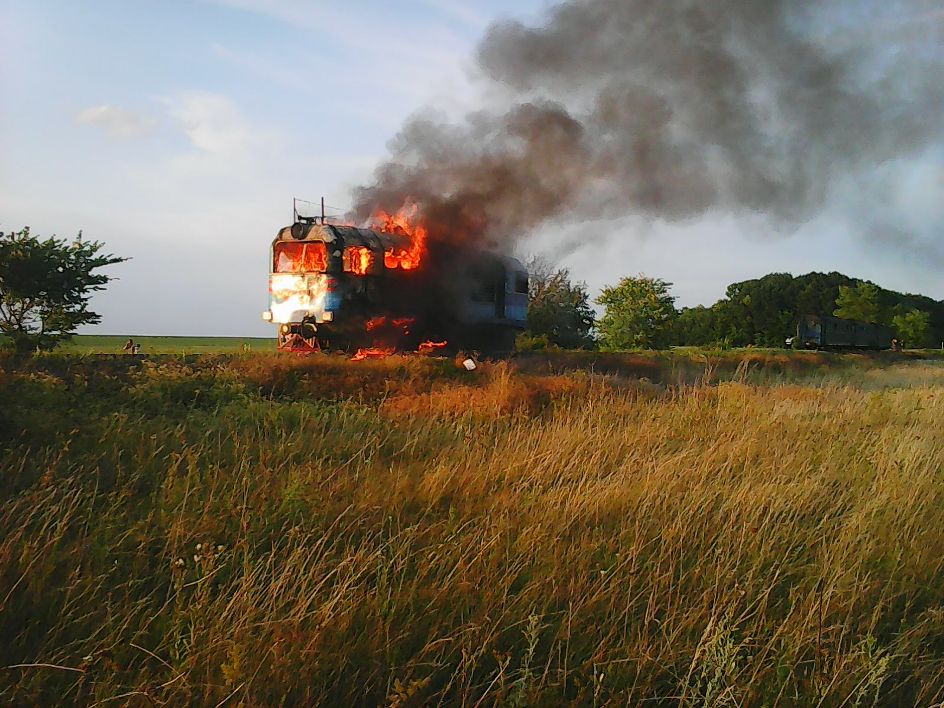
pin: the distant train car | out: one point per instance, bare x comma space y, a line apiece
820, 332
342, 287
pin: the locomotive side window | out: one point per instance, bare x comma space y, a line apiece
482, 290
295, 257
521, 283
357, 260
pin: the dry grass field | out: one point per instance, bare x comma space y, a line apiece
746, 529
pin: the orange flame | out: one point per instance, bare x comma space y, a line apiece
371, 353
430, 346
358, 259
404, 224
401, 323
295, 257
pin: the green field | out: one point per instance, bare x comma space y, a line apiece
114, 344
748, 528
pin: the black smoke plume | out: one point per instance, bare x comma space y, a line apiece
670, 109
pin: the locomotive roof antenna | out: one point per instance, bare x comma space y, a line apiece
298, 217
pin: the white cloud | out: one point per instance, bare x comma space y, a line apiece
212, 123
117, 122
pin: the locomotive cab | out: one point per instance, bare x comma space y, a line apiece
332, 284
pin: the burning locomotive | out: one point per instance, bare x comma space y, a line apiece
386, 289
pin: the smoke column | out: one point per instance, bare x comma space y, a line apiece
669, 110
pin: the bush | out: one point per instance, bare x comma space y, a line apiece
527, 342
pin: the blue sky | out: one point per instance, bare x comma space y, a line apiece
177, 132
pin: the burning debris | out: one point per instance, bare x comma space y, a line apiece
430, 347
371, 353
426, 348
399, 324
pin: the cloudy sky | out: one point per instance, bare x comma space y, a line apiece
178, 131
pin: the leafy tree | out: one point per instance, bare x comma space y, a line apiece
759, 311
698, 326
638, 314
558, 309
859, 303
45, 286
764, 311
913, 328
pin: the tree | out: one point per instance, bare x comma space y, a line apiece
859, 303
558, 309
638, 314
697, 326
912, 328
765, 310
45, 286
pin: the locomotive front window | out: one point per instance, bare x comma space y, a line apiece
296, 257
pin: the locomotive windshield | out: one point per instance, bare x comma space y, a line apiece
299, 257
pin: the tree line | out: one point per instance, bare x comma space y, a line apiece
640, 313
45, 286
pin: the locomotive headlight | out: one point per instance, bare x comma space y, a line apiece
327, 317
284, 329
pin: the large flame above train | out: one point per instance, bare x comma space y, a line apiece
403, 223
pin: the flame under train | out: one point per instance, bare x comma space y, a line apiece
342, 287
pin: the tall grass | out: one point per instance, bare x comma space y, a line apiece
277, 531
